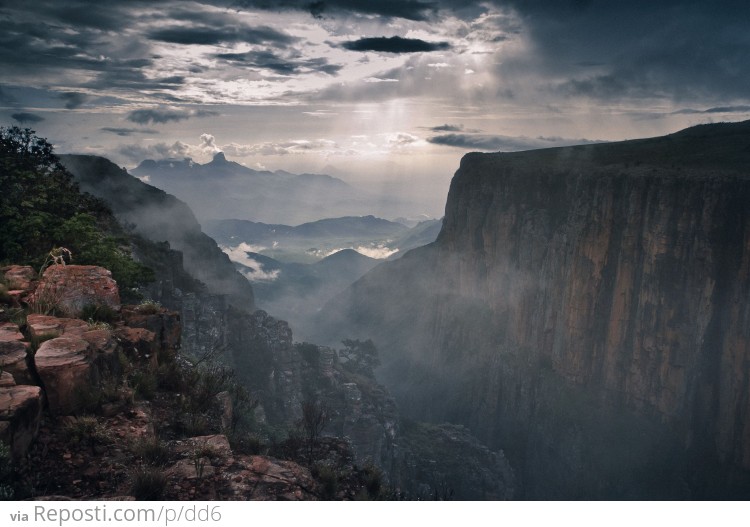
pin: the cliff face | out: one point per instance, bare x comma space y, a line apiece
587, 309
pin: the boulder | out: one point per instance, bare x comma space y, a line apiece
14, 360
14, 354
19, 277
6, 380
9, 332
64, 366
43, 327
20, 414
139, 344
68, 289
164, 324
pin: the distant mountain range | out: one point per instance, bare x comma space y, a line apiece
225, 189
313, 241
296, 270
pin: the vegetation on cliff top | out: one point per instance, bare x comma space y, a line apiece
41, 208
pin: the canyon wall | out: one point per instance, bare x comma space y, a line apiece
587, 309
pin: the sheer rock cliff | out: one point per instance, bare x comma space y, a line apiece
586, 309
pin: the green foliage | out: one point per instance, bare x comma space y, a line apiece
92, 246
41, 208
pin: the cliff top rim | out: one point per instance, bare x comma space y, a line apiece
722, 147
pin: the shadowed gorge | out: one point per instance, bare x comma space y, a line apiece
584, 308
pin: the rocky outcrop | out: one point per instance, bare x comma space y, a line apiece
69, 289
14, 353
19, 277
20, 414
165, 326
65, 369
585, 308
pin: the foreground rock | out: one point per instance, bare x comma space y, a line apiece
14, 354
19, 277
64, 365
68, 289
20, 413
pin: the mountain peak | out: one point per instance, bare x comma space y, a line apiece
219, 158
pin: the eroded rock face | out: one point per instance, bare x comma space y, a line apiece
43, 327
14, 354
19, 277
140, 345
582, 308
64, 366
6, 380
20, 414
164, 325
70, 288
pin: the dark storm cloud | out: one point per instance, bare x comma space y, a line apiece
27, 117
87, 14
265, 59
73, 99
493, 143
394, 45
682, 50
408, 9
209, 35
124, 132
717, 109
131, 77
483, 142
447, 128
165, 115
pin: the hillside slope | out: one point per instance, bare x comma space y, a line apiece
160, 217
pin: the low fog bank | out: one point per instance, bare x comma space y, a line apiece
295, 271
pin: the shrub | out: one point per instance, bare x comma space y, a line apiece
42, 208
148, 307
99, 313
373, 479
149, 484
144, 384
87, 429
328, 479
151, 450
314, 419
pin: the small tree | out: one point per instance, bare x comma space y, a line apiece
314, 420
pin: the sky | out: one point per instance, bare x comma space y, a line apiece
385, 94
